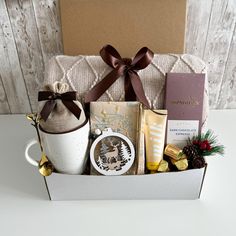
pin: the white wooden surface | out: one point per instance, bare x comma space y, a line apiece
30, 34
25, 209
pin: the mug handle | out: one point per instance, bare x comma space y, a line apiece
27, 156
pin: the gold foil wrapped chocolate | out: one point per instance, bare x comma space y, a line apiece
163, 166
181, 164
177, 157
174, 152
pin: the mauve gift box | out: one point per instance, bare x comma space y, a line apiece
184, 102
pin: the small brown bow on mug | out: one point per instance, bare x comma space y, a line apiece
123, 66
51, 97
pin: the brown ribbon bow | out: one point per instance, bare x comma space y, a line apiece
123, 66
66, 98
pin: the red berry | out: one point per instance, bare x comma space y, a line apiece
203, 146
206, 142
195, 142
208, 147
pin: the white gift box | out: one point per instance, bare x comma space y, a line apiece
82, 73
170, 185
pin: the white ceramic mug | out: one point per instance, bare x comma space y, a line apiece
67, 151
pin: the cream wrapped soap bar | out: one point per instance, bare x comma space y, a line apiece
121, 117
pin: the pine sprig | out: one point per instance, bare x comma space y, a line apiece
207, 144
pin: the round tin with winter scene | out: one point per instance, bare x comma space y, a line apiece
112, 153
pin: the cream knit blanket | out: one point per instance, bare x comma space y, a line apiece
83, 72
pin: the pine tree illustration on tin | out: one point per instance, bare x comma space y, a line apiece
124, 154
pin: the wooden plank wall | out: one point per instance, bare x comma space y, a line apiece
30, 34
211, 35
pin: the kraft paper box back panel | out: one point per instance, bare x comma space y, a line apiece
126, 24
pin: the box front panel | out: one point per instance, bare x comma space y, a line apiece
174, 185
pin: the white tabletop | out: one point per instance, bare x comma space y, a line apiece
26, 210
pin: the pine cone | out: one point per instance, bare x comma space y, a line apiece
198, 162
190, 151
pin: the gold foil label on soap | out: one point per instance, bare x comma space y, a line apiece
122, 117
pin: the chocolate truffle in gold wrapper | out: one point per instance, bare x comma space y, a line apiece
163, 166
174, 152
181, 164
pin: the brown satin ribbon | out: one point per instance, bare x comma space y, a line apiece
51, 97
123, 66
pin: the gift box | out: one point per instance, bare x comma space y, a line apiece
83, 21
185, 184
171, 185
127, 24
83, 74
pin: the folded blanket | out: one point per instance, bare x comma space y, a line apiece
83, 72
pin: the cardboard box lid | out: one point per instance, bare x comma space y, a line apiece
128, 25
